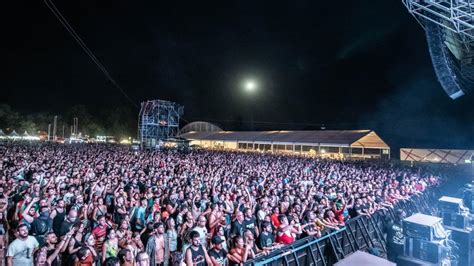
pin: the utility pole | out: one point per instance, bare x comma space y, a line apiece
55, 122
76, 125
49, 131
63, 131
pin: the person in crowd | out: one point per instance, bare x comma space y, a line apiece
110, 247
240, 252
287, 232
142, 259
58, 214
395, 237
250, 241
20, 251
250, 222
266, 240
112, 261
202, 230
99, 209
217, 254
275, 221
195, 254
96, 190
100, 231
140, 215
238, 226
87, 254
50, 252
172, 240
135, 244
330, 220
156, 246
42, 224
126, 258
68, 223
84, 257
310, 228
215, 218
221, 234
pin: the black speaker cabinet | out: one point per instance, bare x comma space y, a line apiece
464, 241
468, 199
455, 220
429, 251
449, 204
421, 226
409, 261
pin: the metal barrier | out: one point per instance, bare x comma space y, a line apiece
360, 233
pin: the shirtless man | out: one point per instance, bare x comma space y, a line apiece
156, 245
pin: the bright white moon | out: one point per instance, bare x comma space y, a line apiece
250, 85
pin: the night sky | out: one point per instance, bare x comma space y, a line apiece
364, 65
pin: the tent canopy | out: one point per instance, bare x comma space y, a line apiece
349, 138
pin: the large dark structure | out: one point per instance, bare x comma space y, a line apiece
449, 27
158, 120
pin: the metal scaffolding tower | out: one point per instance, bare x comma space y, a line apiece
158, 120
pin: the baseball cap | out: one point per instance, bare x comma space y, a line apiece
217, 240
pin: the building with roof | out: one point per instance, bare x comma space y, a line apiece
447, 156
325, 143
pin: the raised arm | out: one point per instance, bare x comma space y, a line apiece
60, 247
25, 214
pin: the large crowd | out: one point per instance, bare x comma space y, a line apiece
108, 205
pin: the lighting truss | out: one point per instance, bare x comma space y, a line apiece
449, 26
158, 120
454, 15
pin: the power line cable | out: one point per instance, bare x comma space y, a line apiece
86, 49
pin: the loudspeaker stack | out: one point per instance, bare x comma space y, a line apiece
456, 218
424, 238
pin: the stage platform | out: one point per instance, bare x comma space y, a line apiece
363, 258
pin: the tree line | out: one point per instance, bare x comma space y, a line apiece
118, 121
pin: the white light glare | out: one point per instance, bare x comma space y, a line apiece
250, 85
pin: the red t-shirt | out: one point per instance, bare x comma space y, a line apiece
99, 234
339, 214
285, 239
275, 221
418, 186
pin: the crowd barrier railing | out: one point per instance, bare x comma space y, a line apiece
359, 233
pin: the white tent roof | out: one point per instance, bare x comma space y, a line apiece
347, 138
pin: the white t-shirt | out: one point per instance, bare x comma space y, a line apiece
22, 251
261, 215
